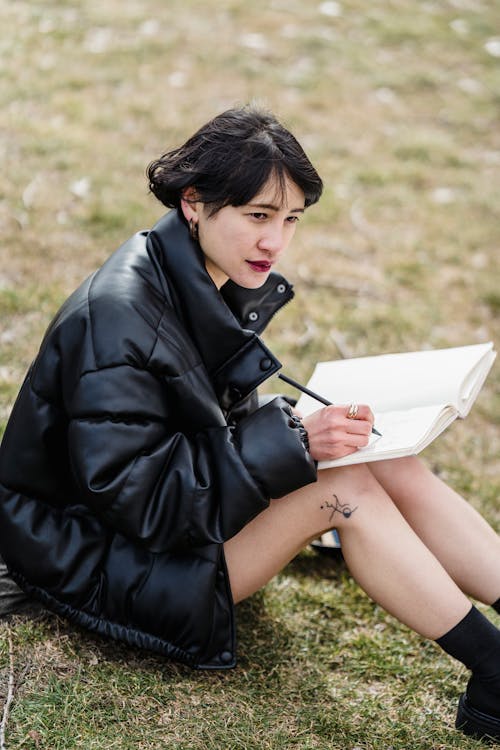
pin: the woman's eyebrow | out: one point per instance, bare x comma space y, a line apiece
271, 207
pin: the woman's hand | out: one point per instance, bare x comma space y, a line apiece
333, 435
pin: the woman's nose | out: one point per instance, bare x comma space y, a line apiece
271, 240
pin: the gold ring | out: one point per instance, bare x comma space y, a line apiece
353, 411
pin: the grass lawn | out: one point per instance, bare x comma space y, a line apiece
397, 104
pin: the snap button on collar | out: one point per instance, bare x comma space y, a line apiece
266, 364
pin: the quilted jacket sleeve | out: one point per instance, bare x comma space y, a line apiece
164, 488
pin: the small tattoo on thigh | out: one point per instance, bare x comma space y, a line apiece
338, 507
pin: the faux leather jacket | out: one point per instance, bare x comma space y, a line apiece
136, 448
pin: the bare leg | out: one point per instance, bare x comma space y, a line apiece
457, 535
383, 553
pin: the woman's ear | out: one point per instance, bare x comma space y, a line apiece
189, 200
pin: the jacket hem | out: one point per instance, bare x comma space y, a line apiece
107, 628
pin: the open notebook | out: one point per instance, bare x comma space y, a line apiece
414, 395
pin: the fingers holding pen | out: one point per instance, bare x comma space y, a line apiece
334, 434
359, 413
363, 412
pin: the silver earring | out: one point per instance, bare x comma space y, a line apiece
193, 229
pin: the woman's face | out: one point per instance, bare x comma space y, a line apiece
242, 243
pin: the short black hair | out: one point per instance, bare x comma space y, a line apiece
230, 159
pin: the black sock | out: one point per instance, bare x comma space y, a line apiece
496, 606
475, 641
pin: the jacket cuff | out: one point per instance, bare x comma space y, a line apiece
272, 447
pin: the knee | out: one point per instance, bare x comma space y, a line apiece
407, 464
407, 480
399, 472
357, 477
352, 496
353, 483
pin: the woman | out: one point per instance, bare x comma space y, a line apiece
143, 489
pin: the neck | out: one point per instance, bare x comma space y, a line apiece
218, 277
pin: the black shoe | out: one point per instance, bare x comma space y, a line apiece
475, 723
328, 544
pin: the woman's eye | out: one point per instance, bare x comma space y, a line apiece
259, 215
292, 219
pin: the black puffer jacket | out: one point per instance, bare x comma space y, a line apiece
135, 449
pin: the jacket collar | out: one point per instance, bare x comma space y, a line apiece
224, 324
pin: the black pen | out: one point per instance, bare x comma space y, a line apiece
305, 390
